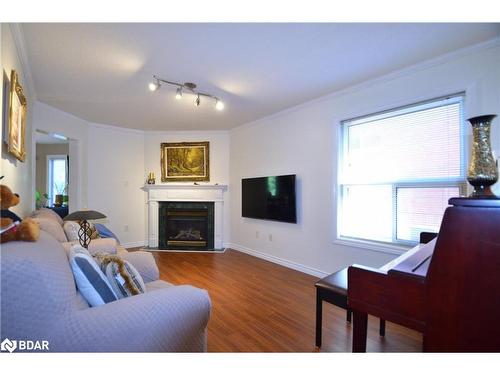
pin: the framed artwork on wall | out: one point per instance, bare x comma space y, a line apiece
185, 161
17, 119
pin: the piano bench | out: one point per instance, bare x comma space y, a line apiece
333, 289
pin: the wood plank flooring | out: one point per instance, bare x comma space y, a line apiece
258, 306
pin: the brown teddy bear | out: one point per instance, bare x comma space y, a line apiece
12, 228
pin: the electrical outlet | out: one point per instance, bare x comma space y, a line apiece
270, 237
125, 227
256, 234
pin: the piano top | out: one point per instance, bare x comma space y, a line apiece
415, 262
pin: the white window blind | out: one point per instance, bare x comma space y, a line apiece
398, 170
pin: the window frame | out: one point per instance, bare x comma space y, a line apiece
396, 246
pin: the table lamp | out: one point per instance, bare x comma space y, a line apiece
84, 232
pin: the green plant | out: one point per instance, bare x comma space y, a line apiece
41, 199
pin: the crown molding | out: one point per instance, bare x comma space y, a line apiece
19, 41
115, 128
187, 132
156, 132
427, 64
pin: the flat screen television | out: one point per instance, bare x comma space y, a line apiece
269, 198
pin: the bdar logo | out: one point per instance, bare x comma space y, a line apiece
8, 345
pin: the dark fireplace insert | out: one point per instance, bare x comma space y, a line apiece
186, 226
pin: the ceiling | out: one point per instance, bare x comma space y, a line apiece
100, 72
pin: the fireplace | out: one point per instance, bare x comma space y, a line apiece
186, 226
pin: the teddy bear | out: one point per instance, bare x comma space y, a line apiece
12, 227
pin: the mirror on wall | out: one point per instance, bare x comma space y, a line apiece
52, 171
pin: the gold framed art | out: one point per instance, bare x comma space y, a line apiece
17, 119
185, 161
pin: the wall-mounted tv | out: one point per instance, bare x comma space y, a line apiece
269, 198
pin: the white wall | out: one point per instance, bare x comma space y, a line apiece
304, 139
219, 160
18, 175
52, 120
115, 178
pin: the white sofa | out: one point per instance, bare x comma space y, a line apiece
40, 301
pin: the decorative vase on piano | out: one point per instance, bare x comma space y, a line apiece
483, 169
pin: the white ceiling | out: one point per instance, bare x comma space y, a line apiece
100, 72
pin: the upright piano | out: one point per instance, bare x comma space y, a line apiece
448, 289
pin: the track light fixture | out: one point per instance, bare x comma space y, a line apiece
189, 86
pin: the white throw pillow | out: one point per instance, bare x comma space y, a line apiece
91, 281
71, 229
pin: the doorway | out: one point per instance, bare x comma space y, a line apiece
52, 172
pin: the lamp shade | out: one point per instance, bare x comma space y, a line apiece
84, 215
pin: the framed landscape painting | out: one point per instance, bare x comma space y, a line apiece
185, 161
17, 119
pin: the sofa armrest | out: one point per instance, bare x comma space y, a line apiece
173, 319
103, 245
143, 262
98, 245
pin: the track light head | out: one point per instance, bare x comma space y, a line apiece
178, 94
153, 86
219, 105
198, 101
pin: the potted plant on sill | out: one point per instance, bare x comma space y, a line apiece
60, 193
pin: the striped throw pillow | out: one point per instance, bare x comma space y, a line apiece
125, 280
90, 280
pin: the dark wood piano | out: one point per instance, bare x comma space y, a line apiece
448, 289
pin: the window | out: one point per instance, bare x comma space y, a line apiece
398, 170
57, 176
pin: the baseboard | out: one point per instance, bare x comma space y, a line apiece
128, 245
277, 260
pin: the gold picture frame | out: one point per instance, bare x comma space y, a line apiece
185, 161
17, 119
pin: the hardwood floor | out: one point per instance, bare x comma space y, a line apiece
258, 306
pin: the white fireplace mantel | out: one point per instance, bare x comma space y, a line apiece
184, 193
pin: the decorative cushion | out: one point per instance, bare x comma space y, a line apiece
71, 229
93, 232
125, 280
51, 226
91, 281
47, 212
105, 232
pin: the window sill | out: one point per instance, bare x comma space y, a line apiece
373, 246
